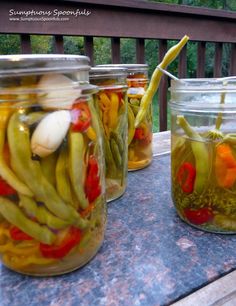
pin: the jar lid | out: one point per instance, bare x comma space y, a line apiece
25, 64
131, 68
204, 95
107, 72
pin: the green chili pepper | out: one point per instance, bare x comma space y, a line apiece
14, 215
202, 161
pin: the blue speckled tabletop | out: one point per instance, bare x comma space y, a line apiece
149, 256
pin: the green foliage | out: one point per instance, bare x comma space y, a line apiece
102, 51
41, 44
128, 51
215, 4
73, 45
9, 44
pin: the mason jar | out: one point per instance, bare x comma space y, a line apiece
203, 152
52, 187
111, 105
139, 139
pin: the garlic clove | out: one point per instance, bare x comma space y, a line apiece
56, 91
50, 132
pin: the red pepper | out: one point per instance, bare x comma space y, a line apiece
92, 182
18, 234
71, 239
186, 177
139, 134
81, 117
199, 216
5, 189
93, 192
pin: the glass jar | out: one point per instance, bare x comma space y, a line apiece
111, 105
52, 188
139, 139
203, 152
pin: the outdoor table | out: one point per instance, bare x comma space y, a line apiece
149, 256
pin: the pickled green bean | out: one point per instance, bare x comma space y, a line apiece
30, 171
48, 165
110, 167
200, 153
15, 216
116, 153
34, 117
171, 54
7, 174
62, 178
77, 166
41, 213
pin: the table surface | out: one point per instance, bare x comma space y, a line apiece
149, 256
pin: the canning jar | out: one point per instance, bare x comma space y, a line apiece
111, 105
139, 139
52, 187
203, 152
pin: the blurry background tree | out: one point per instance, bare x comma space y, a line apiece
10, 44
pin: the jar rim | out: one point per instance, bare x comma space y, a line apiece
107, 72
25, 64
130, 67
216, 85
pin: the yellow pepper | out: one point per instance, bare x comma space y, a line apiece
113, 112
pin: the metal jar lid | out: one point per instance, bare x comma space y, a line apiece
12, 65
107, 72
131, 68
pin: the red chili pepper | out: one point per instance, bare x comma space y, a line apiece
199, 216
81, 117
93, 192
139, 134
186, 177
5, 189
18, 234
92, 182
71, 239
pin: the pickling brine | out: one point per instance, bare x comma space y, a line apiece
111, 107
203, 186
52, 212
140, 137
203, 153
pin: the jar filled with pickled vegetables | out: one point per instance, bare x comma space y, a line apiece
203, 152
139, 138
111, 105
52, 185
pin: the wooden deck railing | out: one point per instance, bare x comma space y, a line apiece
126, 18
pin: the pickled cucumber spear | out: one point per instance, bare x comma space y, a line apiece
156, 78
